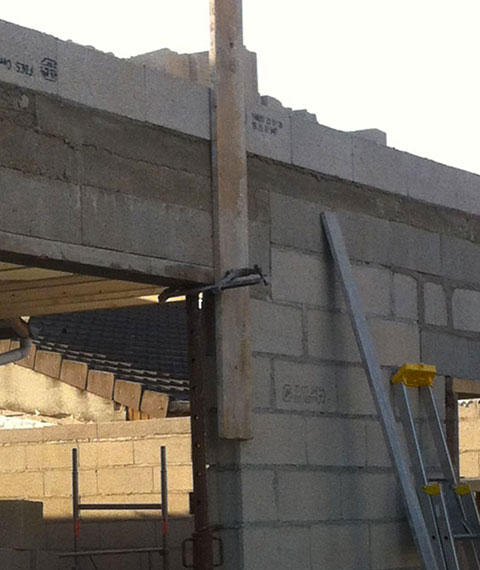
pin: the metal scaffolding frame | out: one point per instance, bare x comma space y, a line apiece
78, 507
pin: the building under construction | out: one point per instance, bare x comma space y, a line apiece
311, 265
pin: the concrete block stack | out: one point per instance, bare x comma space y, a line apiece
318, 467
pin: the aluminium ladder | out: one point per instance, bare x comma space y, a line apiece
448, 507
441, 513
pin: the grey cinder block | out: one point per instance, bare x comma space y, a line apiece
374, 135
278, 439
415, 249
466, 310
177, 104
100, 80
292, 221
276, 548
330, 337
276, 328
307, 496
396, 343
353, 553
259, 505
322, 149
304, 387
435, 303
405, 297
375, 288
353, 391
268, 132
29, 58
149, 227
370, 496
262, 382
377, 452
460, 259
336, 442
453, 355
392, 546
304, 278
394, 244
23, 194
367, 238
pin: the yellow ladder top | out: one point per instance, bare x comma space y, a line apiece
415, 375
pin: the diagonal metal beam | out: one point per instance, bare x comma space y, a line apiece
377, 387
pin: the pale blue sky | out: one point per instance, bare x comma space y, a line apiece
408, 67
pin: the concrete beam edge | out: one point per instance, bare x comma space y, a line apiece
35, 60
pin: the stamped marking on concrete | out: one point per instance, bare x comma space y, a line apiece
303, 394
47, 67
265, 124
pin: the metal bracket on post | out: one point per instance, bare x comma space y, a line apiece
234, 278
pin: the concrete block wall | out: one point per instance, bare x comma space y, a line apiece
318, 488
101, 145
118, 462
315, 487
122, 190
171, 90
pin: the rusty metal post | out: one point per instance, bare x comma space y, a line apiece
230, 215
197, 335
75, 501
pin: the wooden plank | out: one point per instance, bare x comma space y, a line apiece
58, 292
466, 389
72, 307
71, 303
29, 274
227, 56
7, 266
46, 283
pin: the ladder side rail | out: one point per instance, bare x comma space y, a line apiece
384, 409
465, 501
435, 424
436, 527
446, 534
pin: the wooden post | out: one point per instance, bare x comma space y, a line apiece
229, 161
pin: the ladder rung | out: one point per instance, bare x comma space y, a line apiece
466, 536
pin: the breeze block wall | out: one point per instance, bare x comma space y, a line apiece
316, 485
118, 463
120, 144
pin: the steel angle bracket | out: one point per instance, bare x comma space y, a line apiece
234, 278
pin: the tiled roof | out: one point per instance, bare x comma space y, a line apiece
146, 344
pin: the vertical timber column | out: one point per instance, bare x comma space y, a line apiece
229, 161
